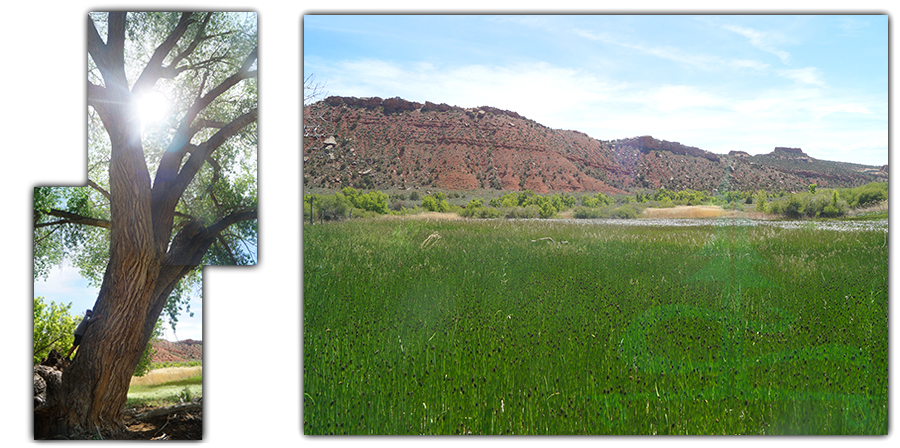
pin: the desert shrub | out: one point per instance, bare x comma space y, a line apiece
333, 207
398, 205
361, 213
373, 201
664, 203
590, 213
475, 203
692, 197
529, 212
866, 194
630, 210
435, 203
481, 213
823, 203
761, 201
626, 211
596, 200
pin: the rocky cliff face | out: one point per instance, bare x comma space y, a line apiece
375, 143
181, 351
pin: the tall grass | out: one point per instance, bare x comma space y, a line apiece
166, 386
166, 375
606, 329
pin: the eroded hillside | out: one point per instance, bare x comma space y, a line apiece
398, 144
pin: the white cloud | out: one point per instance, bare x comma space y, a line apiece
63, 285
536, 90
850, 108
673, 98
700, 114
756, 106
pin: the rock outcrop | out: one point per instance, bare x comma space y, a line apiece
396, 144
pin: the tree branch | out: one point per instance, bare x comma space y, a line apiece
154, 68
171, 160
204, 150
245, 214
181, 136
172, 178
227, 249
109, 57
102, 191
198, 37
97, 98
74, 218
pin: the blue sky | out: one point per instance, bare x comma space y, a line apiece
721, 83
65, 285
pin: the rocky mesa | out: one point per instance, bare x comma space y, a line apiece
375, 143
180, 351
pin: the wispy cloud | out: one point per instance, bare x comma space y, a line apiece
851, 25
807, 75
660, 51
536, 90
667, 52
574, 99
763, 40
716, 82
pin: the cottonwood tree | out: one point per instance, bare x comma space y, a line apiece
172, 110
315, 124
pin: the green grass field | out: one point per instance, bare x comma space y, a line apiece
165, 387
483, 327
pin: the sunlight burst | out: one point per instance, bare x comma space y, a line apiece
152, 107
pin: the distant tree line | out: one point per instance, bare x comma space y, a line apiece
815, 202
824, 203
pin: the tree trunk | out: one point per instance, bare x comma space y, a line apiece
95, 387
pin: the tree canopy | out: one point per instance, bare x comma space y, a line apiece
53, 328
199, 70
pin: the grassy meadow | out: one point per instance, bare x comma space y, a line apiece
561, 327
165, 386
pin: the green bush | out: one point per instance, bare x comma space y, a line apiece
373, 201
590, 213
597, 200
627, 211
823, 203
435, 203
529, 212
333, 208
865, 195
480, 213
